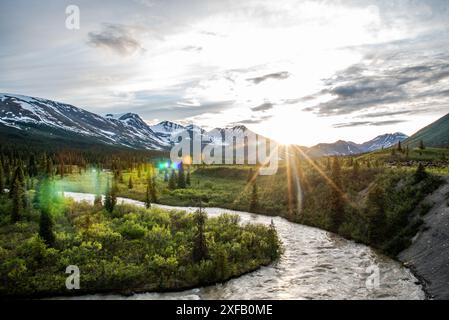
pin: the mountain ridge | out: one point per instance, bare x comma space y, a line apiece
46, 118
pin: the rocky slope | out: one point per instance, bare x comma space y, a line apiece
428, 256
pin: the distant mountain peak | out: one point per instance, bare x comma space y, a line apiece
38, 117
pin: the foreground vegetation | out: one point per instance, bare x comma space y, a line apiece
131, 249
372, 198
117, 248
375, 199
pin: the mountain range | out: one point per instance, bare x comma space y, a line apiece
36, 120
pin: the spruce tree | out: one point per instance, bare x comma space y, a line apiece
200, 250
49, 167
61, 168
32, 167
188, 182
250, 175
172, 181
181, 177
98, 198
254, 204
355, 169
46, 228
2, 181
421, 145
329, 164
336, 198
110, 197
376, 215
153, 190
130, 183
148, 196
16, 194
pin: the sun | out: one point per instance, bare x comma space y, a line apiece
295, 127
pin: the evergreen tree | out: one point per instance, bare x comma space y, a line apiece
46, 228
377, 220
2, 181
16, 194
130, 183
98, 197
181, 177
172, 181
329, 164
420, 173
336, 198
153, 190
61, 168
421, 145
188, 182
355, 169
250, 175
399, 146
200, 250
254, 204
110, 197
148, 196
7, 173
32, 167
49, 167
18, 182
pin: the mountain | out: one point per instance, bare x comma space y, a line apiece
333, 149
166, 129
383, 141
37, 119
434, 135
344, 148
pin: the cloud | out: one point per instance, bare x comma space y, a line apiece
192, 48
367, 123
386, 80
276, 76
253, 120
116, 38
263, 107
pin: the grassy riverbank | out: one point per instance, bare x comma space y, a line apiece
376, 198
130, 249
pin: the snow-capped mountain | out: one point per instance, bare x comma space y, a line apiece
46, 118
165, 130
339, 148
344, 148
36, 118
383, 141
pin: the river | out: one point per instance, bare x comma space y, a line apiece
315, 265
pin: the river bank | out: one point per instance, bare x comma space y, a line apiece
428, 255
315, 265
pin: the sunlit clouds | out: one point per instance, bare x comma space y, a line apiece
298, 71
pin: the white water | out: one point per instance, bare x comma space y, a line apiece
315, 265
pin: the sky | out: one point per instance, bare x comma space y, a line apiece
297, 71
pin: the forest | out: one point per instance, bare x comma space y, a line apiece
118, 248
374, 199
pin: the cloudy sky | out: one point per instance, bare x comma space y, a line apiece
299, 71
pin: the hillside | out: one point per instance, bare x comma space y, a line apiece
434, 135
